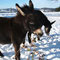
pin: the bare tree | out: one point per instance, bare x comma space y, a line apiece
54, 0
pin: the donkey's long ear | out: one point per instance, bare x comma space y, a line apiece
53, 22
31, 4
20, 10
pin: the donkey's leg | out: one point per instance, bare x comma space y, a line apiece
17, 51
29, 37
23, 43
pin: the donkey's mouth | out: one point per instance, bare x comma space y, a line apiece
38, 32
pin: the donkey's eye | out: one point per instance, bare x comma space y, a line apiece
31, 23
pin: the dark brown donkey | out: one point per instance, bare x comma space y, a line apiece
13, 30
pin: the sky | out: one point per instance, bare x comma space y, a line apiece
37, 3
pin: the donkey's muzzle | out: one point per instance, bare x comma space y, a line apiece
38, 32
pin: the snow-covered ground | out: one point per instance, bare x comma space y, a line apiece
7, 14
47, 46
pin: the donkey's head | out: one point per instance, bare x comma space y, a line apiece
31, 20
48, 28
33, 24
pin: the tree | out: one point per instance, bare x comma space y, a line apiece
58, 9
54, 0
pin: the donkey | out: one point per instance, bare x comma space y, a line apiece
13, 30
43, 20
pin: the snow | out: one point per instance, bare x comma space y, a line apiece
49, 46
7, 14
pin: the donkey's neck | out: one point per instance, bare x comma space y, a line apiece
47, 23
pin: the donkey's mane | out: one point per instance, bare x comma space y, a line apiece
25, 7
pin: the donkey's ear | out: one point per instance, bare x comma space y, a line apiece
53, 22
31, 4
18, 5
20, 10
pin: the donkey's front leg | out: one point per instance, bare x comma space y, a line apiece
17, 51
29, 37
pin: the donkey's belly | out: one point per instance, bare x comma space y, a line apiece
5, 36
5, 40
